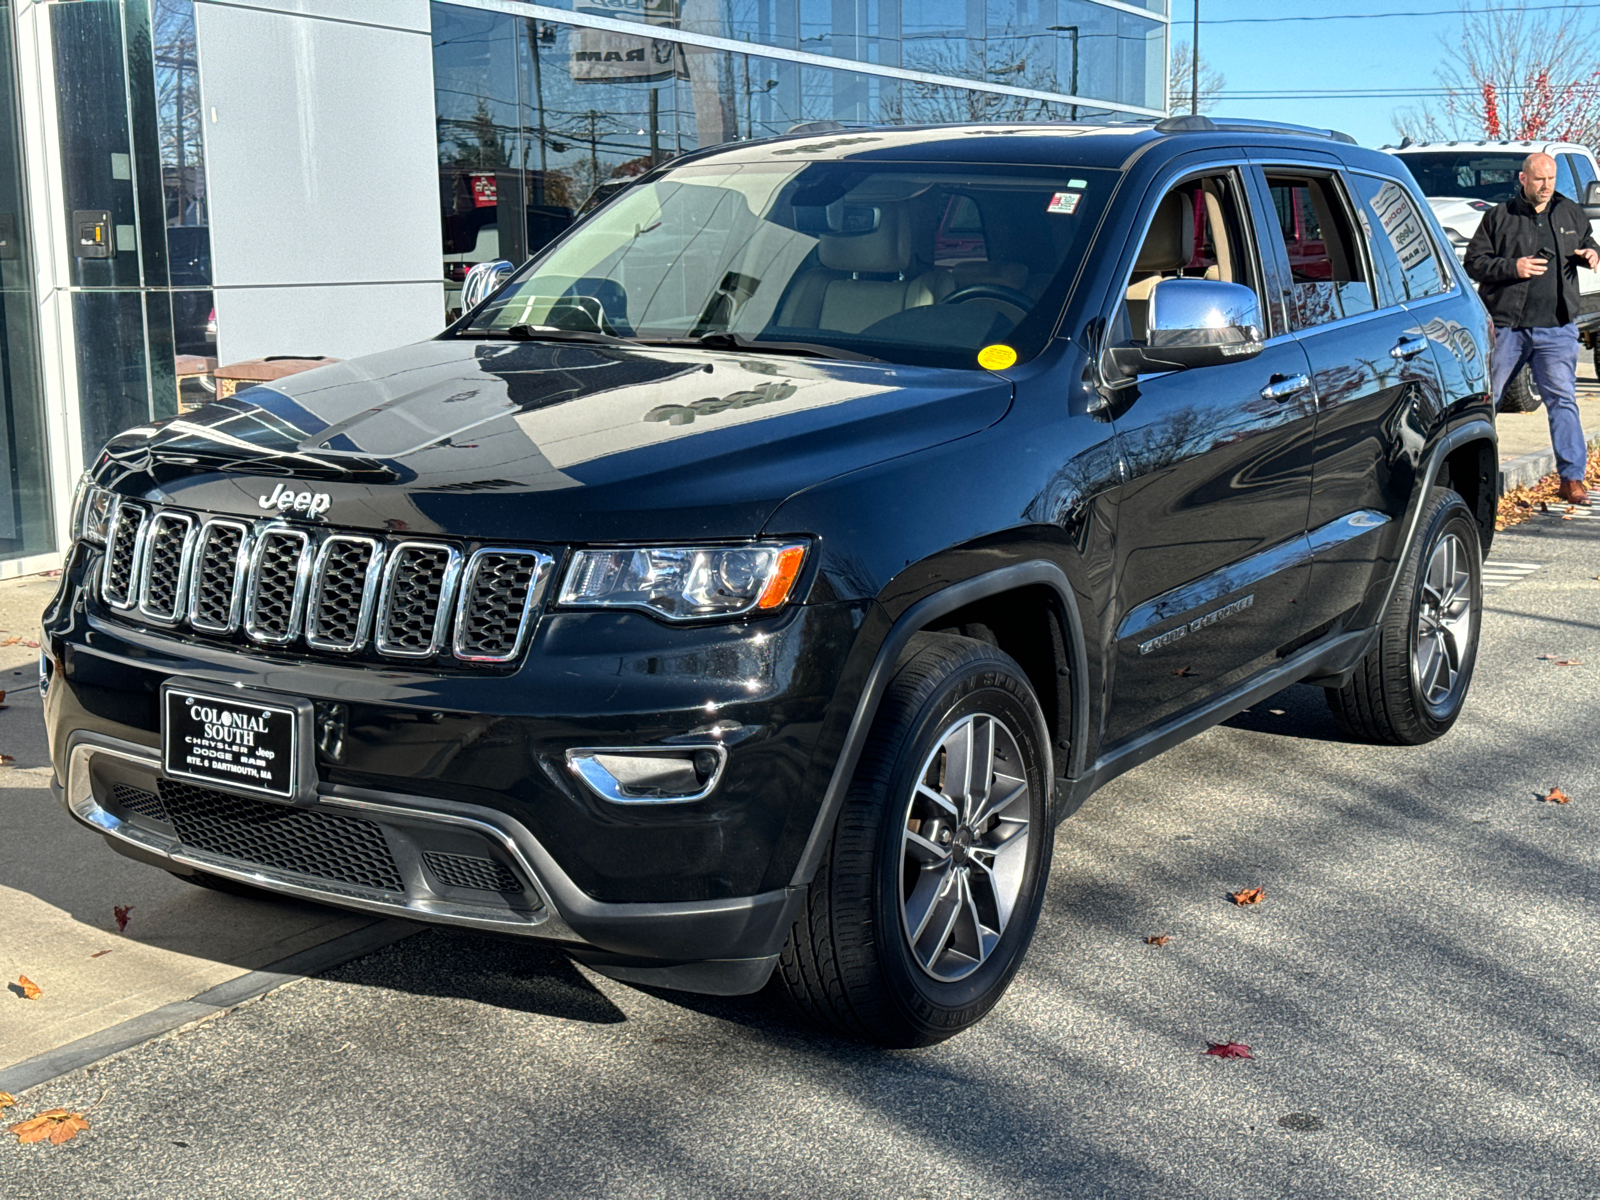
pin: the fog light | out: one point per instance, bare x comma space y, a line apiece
649, 775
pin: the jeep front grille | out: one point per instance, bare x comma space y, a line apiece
283, 584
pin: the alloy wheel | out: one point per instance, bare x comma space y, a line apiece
964, 847
1443, 639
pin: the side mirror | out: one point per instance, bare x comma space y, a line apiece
1194, 323
482, 281
1591, 200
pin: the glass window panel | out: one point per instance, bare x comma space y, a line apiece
1402, 246
1327, 275
1566, 182
26, 525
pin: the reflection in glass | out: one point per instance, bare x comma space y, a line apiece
25, 510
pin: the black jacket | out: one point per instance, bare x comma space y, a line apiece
1513, 230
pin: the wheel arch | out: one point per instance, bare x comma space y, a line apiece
1044, 592
1471, 468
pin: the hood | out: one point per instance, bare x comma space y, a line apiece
542, 441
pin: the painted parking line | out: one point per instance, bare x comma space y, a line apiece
1498, 573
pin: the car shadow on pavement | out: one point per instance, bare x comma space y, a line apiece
501, 972
1299, 711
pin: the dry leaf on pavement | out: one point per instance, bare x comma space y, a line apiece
120, 912
98, 953
30, 989
1248, 896
7, 1099
1557, 796
1229, 1050
1559, 660
1160, 939
57, 1124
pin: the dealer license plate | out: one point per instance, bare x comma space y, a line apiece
240, 742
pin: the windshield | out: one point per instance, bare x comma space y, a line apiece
1472, 176
922, 264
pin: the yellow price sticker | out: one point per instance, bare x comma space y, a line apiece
997, 357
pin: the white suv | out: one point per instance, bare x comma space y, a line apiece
1464, 180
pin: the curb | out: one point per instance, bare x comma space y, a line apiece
74, 1056
1526, 470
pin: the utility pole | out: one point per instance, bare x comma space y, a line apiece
1194, 63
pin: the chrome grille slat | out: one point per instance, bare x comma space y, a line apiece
500, 588
276, 581
344, 590
164, 577
119, 578
217, 581
414, 607
275, 597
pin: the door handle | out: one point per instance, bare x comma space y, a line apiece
1284, 386
1408, 348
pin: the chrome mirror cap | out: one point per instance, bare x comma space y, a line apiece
1204, 312
482, 281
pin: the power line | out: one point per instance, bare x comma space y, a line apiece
1421, 12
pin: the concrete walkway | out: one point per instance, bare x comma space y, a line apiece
186, 954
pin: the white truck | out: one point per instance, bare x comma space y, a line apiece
1464, 180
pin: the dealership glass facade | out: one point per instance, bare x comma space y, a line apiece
535, 113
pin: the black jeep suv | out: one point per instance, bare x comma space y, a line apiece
751, 584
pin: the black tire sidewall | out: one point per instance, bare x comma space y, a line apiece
1451, 516
935, 1007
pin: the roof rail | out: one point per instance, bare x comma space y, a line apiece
1193, 123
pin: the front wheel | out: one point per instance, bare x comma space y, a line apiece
1411, 685
929, 890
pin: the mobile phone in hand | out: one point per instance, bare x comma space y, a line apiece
1546, 253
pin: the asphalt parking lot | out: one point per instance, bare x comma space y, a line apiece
1418, 990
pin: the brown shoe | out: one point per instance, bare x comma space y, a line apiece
1572, 491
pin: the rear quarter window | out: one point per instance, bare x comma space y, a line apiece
1402, 243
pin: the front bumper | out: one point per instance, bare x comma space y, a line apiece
725, 946
446, 796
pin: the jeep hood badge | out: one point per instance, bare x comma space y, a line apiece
313, 504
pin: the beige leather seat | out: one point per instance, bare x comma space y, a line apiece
1168, 247
836, 297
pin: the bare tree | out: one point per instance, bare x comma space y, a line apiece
1180, 81
1514, 74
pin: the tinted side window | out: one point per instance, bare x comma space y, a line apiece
1399, 236
1583, 171
1325, 263
1566, 181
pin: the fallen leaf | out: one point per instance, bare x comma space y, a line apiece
30, 989
1184, 671
6, 758
1557, 796
10, 641
1248, 896
1229, 1050
7, 1099
120, 912
58, 1124
31, 644
1543, 507
1559, 661
1160, 939
98, 953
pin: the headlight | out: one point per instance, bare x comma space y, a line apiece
683, 583
91, 512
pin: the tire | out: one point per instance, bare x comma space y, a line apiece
1411, 685
850, 963
1522, 393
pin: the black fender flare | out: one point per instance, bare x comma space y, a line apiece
917, 618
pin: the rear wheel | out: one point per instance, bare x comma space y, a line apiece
1522, 393
1411, 685
929, 890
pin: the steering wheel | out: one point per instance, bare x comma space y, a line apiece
991, 291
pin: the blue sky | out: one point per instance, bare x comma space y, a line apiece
1363, 52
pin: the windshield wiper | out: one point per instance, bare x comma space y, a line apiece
547, 333
722, 339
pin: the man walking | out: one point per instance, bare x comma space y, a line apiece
1525, 259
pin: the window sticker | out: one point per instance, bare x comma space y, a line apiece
996, 357
1064, 202
1077, 183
